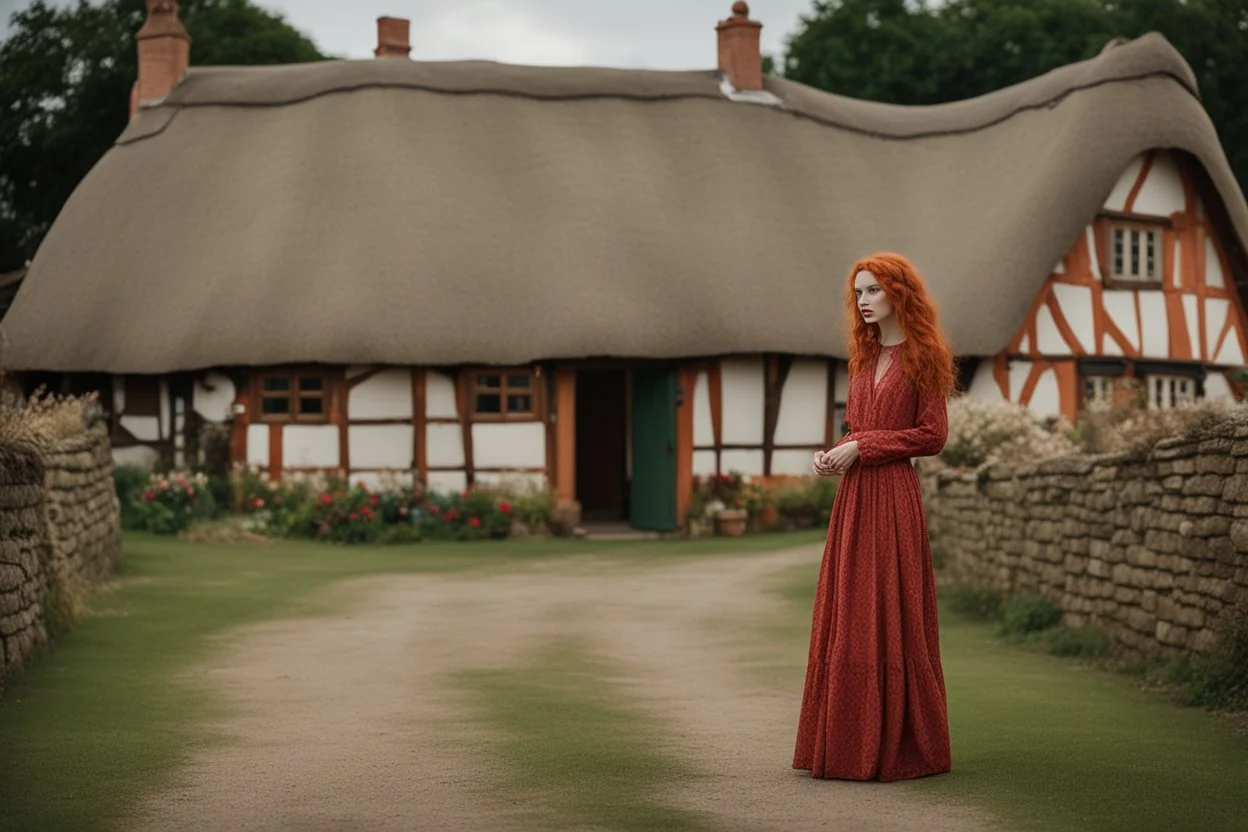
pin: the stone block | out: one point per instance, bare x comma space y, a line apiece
1221, 465
1239, 535
1236, 488
1141, 621
1209, 485
1141, 556
1171, 634
1202, 640
1127, 595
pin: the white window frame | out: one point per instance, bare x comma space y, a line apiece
1129, 254
1098, 390
1167, 391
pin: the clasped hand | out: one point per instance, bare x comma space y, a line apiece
835, 460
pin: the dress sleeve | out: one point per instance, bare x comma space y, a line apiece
926, 438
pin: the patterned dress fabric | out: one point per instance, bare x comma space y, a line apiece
873, 705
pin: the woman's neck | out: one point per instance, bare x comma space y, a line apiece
890, 332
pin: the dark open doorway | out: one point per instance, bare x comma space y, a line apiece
602, 444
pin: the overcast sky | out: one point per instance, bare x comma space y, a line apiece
649, 34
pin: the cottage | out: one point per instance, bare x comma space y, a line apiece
613, 280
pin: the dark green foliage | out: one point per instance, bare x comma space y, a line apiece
1029, 613
65, 80
977, 603
1220, 678
1078, 641
129, 482
914, 53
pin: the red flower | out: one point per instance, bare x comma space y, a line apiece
353, 516
452, 514
435, 510
474, 522
326, 500
147, 496
366, 511
360, 485
259, 502
504, 507
373, 500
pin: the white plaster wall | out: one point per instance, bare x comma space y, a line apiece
1213, 264
1176, 267
509, 445
310, 446
1049, 340
1060, 268
1217, 388
1190, 311
1018, 372
143, 428
440, 396
743, 401
1024, 346
792, 462
747, 462
1117, 199
258, 445
376, 480
1162, 193
703, 426
1076, 305
1231, 353
1094, 256
1119, 305
166, 405
984, 384
213, 404
136, 456
703, 463
522, 480
1156, 325
446, 445
381, 446
803, 403
1046, 401
387, 395
446, 481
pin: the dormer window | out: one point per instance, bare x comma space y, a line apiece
1135, 254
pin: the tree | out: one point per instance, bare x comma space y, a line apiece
65, 80
915, 53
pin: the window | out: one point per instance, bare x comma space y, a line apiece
1168, 391
142, 396
1098, 391
1135, 253
504, 394
293, 395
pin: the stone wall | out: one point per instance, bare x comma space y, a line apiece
1151, 547
59, 524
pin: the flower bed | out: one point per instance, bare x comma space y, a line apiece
770, 503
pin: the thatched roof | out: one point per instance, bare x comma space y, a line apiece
393, 211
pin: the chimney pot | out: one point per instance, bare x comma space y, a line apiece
739, 55
164, 53
393, 37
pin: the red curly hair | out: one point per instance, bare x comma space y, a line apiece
925, 355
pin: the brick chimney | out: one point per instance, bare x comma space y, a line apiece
393, 37
164, 53
739, 55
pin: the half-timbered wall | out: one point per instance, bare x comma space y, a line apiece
1145, 292
765, 415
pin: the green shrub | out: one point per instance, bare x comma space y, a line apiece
472, 514
1078, 641
171, 502
1029, 613
1220, 678
806, 504
400, 533
129, 482
978, 603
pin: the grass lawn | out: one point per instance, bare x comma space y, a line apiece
94, 722
1052, 744
572, 747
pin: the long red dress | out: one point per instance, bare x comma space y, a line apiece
873, 707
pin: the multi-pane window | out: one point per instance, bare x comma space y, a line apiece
1135, 253
293, 395
1098, 391
1168, 391
504, 394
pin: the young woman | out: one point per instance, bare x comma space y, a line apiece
873, 707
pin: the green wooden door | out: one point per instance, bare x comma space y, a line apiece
653, 491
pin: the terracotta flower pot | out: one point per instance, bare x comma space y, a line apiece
731, 522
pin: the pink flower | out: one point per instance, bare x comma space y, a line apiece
353, 516
164, 483
259, 502
402, 511
326, 499
474, 522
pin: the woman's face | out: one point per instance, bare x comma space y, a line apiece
873, 302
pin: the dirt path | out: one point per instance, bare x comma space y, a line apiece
340, 722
